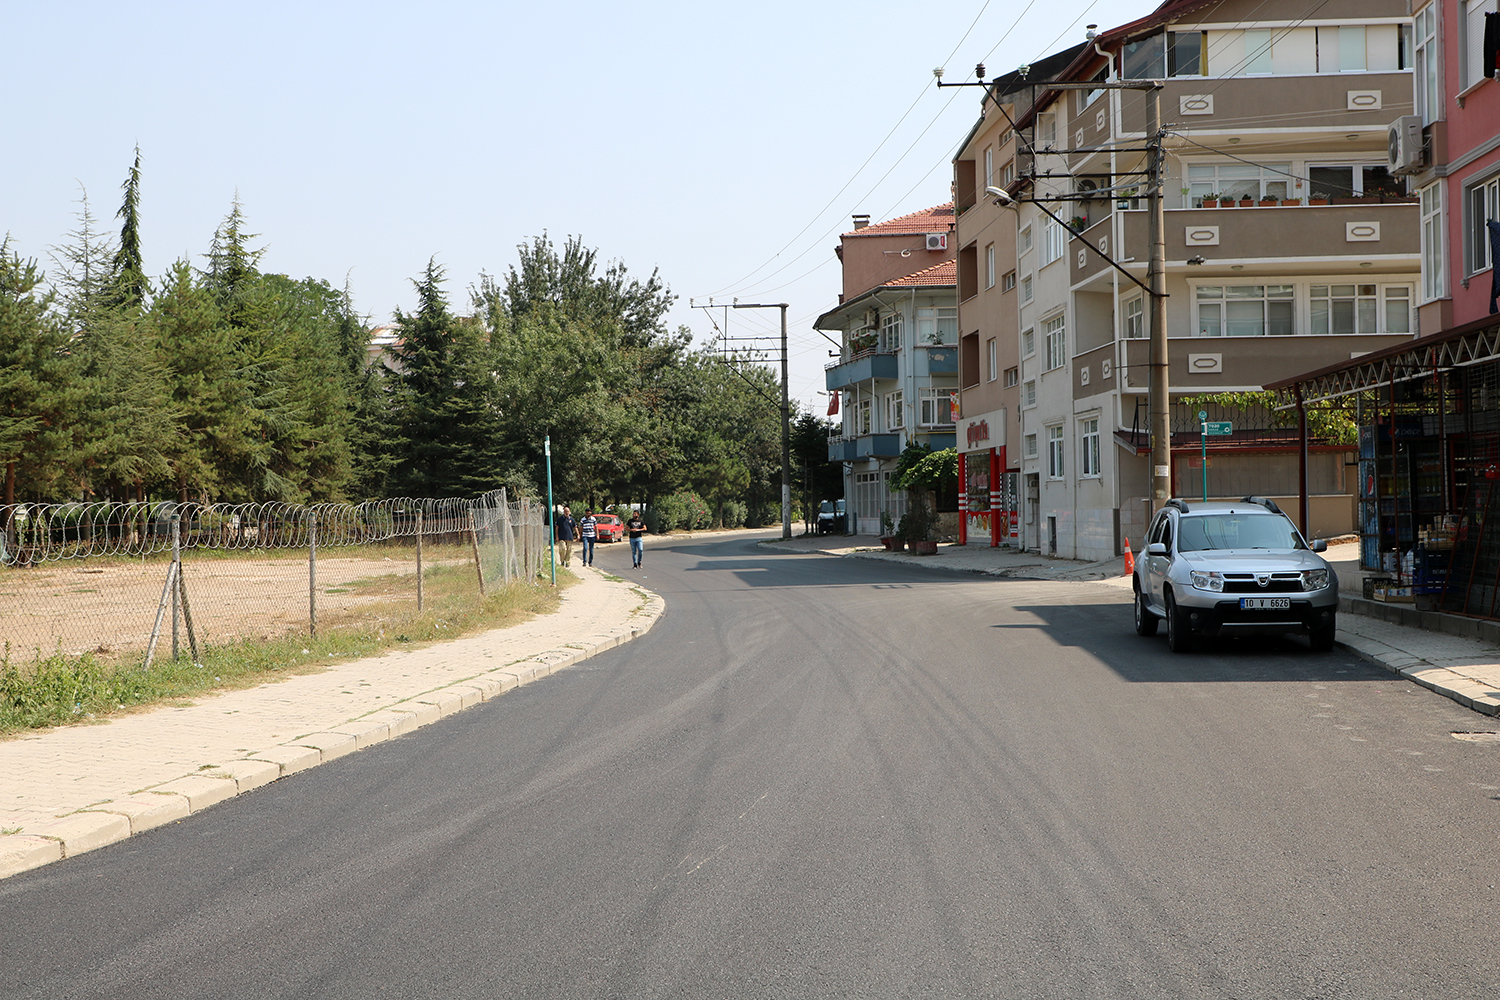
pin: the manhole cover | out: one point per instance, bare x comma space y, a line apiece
1478, 737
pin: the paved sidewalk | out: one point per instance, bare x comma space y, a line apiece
1464, 669
75, 788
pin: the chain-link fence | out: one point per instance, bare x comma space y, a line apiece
119, 578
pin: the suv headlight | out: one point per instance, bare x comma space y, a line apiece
1314, 579
1208, 581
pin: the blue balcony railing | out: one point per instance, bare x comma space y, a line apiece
860, 368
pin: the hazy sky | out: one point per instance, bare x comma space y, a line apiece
727, 146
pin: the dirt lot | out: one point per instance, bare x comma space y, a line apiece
110, 606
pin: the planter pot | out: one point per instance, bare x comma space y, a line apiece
923, 548
1210, 203
1226, 203
1247, 203
1317, 201
1270, 202
1291, 201
892, 544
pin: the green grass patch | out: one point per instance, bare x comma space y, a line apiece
61, 689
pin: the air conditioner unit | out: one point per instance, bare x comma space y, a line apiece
937, 241
1405, 145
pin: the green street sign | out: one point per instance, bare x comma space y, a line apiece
1212, 428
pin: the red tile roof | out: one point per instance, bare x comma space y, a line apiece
945, 273
938, 219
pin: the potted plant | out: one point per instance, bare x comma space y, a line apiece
1269, 202
916, 526
920, 471
1226, 201
1246, 201
1291, 201
1211, 200
1318, 199
888, 532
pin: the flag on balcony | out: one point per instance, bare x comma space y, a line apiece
1494, 228
953, 408
833, 403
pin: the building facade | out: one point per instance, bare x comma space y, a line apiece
896, 376
1288, 244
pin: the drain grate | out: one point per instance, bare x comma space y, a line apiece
1478, 737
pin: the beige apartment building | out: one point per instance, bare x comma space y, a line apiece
1288, 243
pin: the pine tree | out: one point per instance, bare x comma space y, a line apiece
129, 286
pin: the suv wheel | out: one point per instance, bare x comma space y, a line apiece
1145, 621
1178, 633
1322, 637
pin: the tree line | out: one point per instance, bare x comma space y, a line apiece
221, 383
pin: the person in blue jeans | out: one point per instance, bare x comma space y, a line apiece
636, 528
588, 530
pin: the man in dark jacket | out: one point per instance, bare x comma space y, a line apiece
567, 530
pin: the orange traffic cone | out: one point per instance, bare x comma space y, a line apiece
1129, 560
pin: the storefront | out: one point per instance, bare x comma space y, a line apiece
1428, 419
987, 498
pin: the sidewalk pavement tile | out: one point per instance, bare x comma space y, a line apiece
290, 759
201, 790
85, 831
148, 809
22, 853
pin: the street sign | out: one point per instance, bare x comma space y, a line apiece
1213, 428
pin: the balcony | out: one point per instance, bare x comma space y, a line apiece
853, 449
860, 368
942, 360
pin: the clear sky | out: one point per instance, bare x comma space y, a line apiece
727, 145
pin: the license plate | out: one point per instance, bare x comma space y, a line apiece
1265, 603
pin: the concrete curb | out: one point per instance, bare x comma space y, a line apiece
113, 820
1438, 679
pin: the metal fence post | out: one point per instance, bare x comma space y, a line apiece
419, 558
312, 573
177, 567
474, 542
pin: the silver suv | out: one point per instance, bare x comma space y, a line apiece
1209, 568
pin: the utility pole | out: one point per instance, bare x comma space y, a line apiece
786, 407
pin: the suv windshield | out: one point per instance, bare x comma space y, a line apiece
1237, 531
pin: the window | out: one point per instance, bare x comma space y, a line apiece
1056, 337
937, 407
1172, 53
989, 266
1026, 289
1426, 47
1008, 283
1237, 180
1135, 318
862, 416
1483, 205
1030, 393
1352, 180
1342, 309
1054, 239
1008, 172
1434, 279
1088, 447
895, 413
994, 359
989, 166
937, 325
1258, 51
1245, 310
890, 332
1023, 242
1046, 129
1031, 446
1473, 54
1028, 343
1055, 452
1012, 377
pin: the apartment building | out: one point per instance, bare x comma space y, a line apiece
896, 374
1288, 245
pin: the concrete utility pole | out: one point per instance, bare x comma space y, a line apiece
786, 417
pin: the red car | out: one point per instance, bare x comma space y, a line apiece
609, 528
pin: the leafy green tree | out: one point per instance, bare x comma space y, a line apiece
40, 394
129, 286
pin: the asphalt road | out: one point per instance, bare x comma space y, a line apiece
833, 778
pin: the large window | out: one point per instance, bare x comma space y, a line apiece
937, 324
1012, 377
895, 412
994, 359
1135, 318
1245, 310
1427, 49
1351, 180
1483, 204
1171, 53
1055, 452
890, 332
1238, 180
1361, 308
1434, 268
1473, 54
1054, 241
1088, 447
862, 416
989, 166
1055, 339
937, 408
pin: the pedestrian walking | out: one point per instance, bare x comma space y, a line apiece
567, 530
636, 529
588, 531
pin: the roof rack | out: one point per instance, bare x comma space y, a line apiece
1265, 502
